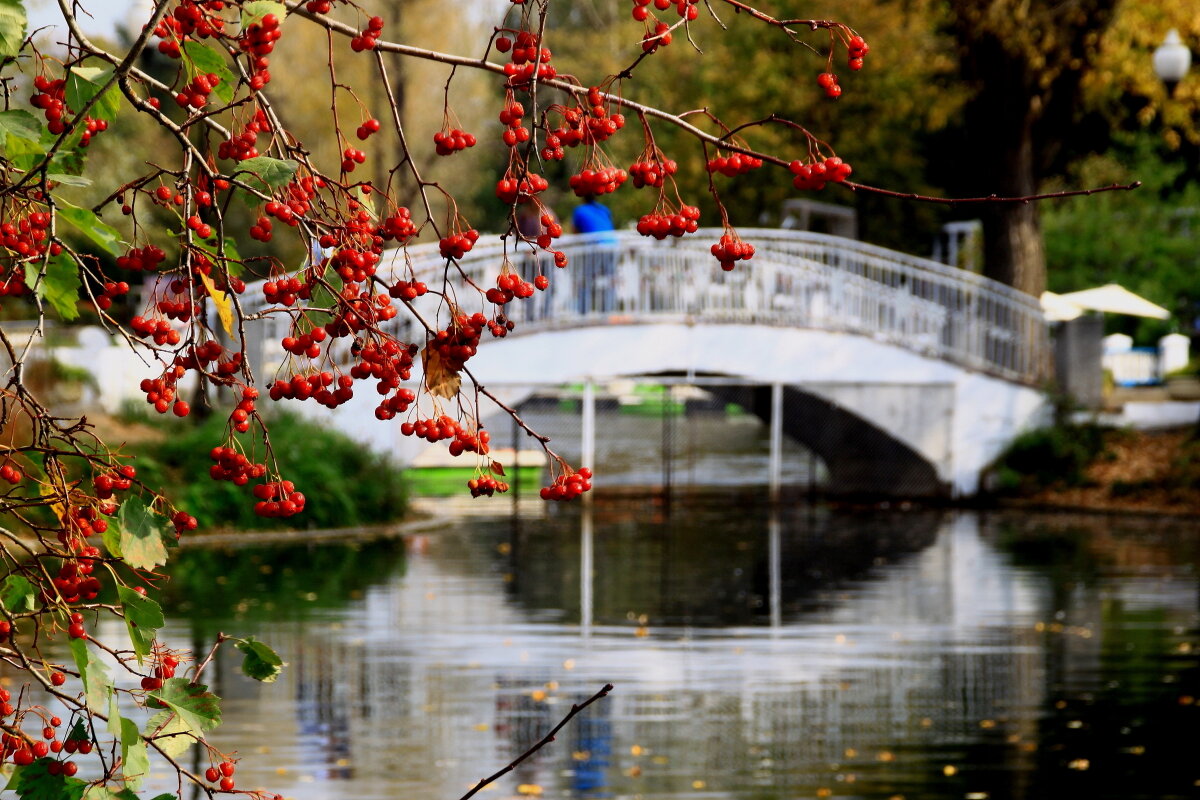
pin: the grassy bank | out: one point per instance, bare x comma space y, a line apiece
344, 483
1105, 469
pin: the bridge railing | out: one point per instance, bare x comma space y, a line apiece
796, 279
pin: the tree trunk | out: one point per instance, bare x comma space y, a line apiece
1026, 60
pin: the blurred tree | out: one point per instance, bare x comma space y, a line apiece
1144, 240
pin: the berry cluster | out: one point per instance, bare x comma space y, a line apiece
283, 291
110, 290
74, 580
458, 244
351, 158
277, 499
364, 131
357, 310
817, 173
452, 140
158, 330
408, 290
11, 474
486, 486
436, 429
258, 40
568, 486
199, 226
75, 629
582, 125
162, 671
50, 98
306, 344
108, 483
857, 49
28, 238
222, 774
686, 8
652, 171
508, 286
511, 116
661, 225
398, 227
731, 249
509, 189
459, 341
195, 94
145, 258
654, 39
198, 19
244, 145
369, 36
389, 363
239, 418
829, 82
230, 465
594, 181
734, 164
528, 58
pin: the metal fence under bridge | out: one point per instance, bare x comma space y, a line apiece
662, 433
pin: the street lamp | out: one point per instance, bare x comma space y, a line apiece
1172, 60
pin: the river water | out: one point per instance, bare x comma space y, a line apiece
809, 653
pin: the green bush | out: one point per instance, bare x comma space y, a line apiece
344, 483
1058, 455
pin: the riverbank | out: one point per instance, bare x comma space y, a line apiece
1139, 472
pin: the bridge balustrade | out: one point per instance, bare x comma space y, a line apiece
796, 279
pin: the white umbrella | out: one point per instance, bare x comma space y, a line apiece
1115, 300
1057, 309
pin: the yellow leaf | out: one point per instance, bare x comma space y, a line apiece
529, 789
221, 301
440, 380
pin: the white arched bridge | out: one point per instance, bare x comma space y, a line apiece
904, 375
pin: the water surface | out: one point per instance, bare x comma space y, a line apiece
810, 654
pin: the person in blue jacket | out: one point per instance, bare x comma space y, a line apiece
597, 273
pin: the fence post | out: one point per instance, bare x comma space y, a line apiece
775, 463
588, 425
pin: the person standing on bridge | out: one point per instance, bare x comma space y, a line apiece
598, 270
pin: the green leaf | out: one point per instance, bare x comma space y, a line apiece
143, 618
141, 535
273, 172
201, 59
34, 782
135, 759
24, 154
12, 27
233, 259
97, 683
68, 180
169, 733
99, 792
197, 707
79, 731
96, 229
255, 10
60, 286
20, 123
261, 662
114, 717
84, 83
321, 297
17, 595
112, 538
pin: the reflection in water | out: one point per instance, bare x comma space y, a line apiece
920, 655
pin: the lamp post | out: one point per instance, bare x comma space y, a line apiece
1172, 60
